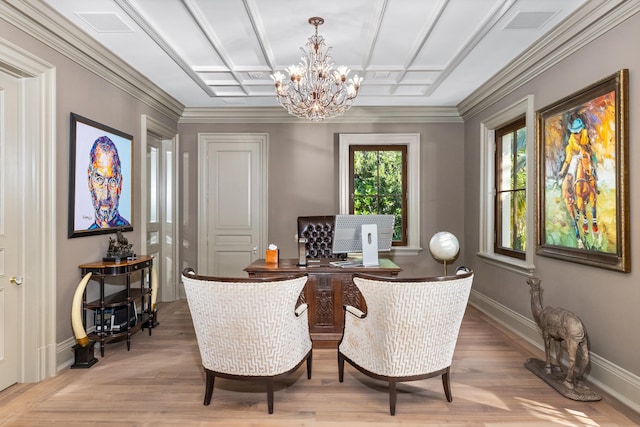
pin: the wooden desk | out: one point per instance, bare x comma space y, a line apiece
326, 291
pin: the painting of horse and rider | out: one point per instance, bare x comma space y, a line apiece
581, 162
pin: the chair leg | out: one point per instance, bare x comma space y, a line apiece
208, 390
270, 395
446, 382
393, 397
309, 360
340, 367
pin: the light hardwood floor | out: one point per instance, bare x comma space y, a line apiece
160, 382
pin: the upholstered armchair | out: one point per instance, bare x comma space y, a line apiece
249, 328
318, 230
409, 330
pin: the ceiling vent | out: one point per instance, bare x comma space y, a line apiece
256, 75
105, 22
529, 20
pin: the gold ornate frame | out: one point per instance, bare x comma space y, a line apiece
583, 217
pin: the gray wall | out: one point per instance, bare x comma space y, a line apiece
606, 301
303, 179
82, 92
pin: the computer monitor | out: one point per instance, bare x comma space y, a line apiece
348, 237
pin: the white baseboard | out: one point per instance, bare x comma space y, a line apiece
64, 354
616, 381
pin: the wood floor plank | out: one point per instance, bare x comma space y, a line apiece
160, 382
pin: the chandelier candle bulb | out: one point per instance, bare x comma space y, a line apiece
316, 91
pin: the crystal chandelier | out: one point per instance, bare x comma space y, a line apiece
315, 89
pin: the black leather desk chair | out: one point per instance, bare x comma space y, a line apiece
318, 230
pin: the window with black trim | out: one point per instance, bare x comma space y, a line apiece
378, 184
511, 182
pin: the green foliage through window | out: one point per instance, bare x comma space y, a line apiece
511, 182
378, 184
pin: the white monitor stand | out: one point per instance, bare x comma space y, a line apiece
369, 245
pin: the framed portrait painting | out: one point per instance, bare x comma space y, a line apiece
583, 176
100, 179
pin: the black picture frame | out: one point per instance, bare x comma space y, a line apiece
86, 187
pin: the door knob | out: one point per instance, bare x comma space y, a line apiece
255, 249
16, 280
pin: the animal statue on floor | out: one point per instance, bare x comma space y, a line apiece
559, 325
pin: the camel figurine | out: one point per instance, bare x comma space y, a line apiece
558, 325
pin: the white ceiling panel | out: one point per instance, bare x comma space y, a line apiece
412, 77
177, 27
410, 90
230, 27
460, 24
400, 35
285, 32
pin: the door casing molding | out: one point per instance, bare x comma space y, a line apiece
37, 358
150, 126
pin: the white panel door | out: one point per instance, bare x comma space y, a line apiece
10, 227
160, 214
154, 205
234, 213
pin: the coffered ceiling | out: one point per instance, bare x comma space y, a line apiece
221, 53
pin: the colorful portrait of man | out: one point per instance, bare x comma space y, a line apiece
105, 184
101, 181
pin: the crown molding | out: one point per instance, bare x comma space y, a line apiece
354, 115
46, 25
585, 25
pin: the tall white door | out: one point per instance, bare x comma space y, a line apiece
154, 205
233, 213
160, 214
10, 226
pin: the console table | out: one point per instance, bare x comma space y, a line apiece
125, 299
326, 291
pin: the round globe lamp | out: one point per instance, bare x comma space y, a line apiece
444, 247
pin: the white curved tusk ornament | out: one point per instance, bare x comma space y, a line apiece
76, 313
154, 288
